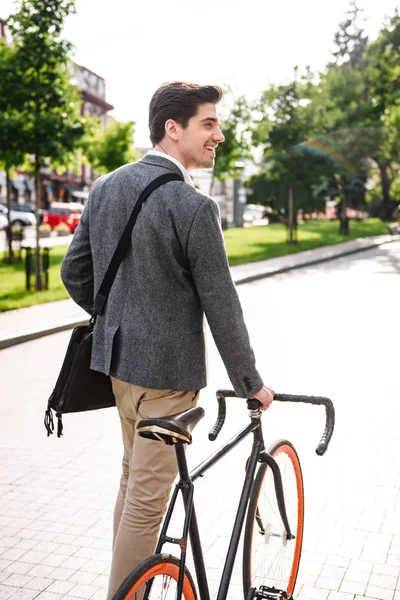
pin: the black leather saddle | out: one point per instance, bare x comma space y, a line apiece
173, 429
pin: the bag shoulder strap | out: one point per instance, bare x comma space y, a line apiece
124, 242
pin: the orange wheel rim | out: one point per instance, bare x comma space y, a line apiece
288, 450
300, 511
162, 569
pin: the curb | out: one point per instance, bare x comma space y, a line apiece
311, 261
34, 334
26, 336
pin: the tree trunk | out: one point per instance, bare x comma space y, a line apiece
385, 185
10, 257
343, 219
290, 214
211, 191
38, 281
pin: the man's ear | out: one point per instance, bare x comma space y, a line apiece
172, 129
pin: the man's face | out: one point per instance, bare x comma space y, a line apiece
198, 141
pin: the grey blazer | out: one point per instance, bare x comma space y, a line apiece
152, 330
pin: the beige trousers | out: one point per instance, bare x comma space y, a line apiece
148, 470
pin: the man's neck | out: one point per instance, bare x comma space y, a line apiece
171, 152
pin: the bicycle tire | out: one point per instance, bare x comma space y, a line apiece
277, 564
164, 565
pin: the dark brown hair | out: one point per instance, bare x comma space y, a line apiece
178, 101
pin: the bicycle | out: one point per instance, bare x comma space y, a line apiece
273, 534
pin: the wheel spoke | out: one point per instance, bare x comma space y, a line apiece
270, 559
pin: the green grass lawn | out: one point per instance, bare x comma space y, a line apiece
252, 244
12, 283
244, 245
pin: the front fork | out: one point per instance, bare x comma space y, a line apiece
255, 413
280, 497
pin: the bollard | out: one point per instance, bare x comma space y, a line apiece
45, 266
28, 267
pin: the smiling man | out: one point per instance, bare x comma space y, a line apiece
150, 338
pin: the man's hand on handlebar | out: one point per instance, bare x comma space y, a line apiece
265, 396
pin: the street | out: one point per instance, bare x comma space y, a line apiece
330, 329
30, 240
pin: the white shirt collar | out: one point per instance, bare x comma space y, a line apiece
185, 174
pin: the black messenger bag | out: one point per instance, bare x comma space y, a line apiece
78, 387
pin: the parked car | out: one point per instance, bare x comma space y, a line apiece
254, 214
3, 222
63, 212
20, 217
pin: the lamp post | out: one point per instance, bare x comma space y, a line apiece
239, 195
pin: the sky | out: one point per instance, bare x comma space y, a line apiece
136, 46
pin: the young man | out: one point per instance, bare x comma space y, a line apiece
150, 338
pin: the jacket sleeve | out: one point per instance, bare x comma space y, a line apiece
77, 265
210, 270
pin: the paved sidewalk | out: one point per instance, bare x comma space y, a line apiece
17, 326
57, 495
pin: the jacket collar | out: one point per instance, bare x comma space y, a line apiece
159, 161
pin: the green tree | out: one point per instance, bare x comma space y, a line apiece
108, 148
383, 120
287, 119
350, 40
237, 145
11, 134
341, 105
47, 103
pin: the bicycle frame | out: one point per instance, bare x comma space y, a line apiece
186, 486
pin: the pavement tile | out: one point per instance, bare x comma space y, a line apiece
312, 593
340, 596
60, 587
352, 587
83, 577
74, 563
44, 536
393, 561
101, 581
8, 542
95, 566
54, 560
305, 579
385, 570
82, 591
49, 596
24, 594
6, 592
39, 583
41, 571
385, 581
25, 545
17, 580
67, 549
361, 565
373, 555
328, 583
357, 576
18, 567
380, 593
86, 553
13, 553
34, 556
332, 572
61, 574
10, 531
